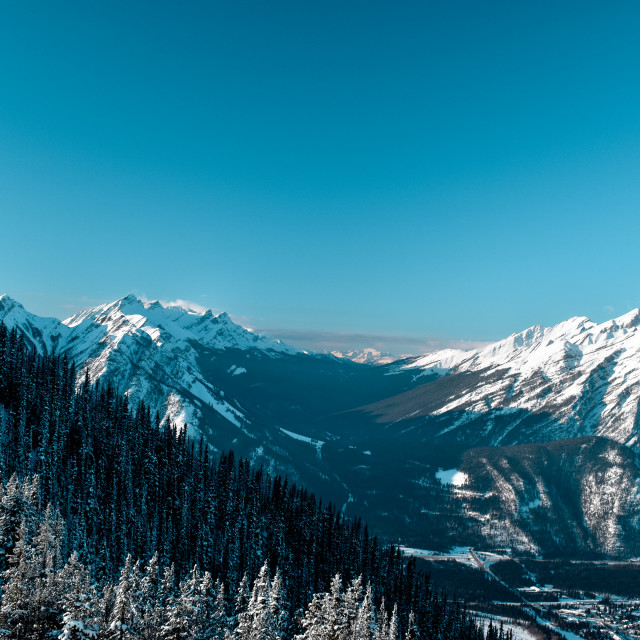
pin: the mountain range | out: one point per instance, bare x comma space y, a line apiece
540, 429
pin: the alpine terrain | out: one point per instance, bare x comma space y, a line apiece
529, 443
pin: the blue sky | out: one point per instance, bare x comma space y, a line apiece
427, 171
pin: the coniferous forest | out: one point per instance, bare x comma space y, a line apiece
115, 526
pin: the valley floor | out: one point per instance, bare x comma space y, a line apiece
537, 597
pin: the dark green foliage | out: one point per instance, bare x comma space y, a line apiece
129, 488
513, 573
619, 578
465, 583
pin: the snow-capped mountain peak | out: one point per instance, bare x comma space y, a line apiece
575, 364
161, 322
138, 341
152, 349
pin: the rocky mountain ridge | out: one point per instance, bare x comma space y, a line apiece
581, 378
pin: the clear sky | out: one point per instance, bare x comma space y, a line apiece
444, 171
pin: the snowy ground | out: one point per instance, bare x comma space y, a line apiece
458, 554
519, 633
452, 476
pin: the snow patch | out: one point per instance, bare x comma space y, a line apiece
410, 551
519, 633
314, 443
452, 476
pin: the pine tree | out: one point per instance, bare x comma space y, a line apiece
10, 517
333, 611
412, 631
254, 621
394, 631
366, 627
215, 622
351, 604
383, 623
184, 610
78, 602
122, 621
277, 625
17, 612
46, 560
242, 600
313, 623
149, 596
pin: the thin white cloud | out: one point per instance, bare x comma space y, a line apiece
185, 304
178, 302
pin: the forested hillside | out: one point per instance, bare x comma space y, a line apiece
114, 526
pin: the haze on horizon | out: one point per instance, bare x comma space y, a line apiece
439, 174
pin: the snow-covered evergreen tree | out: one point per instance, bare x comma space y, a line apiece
277, 626
17, 612
242, 600
383, 623
351, 604
394, 631
148, 600
253, 623
184, 610
215, 622
366, 627
79, 621
412, 631
123, 619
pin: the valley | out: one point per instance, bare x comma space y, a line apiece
541, 426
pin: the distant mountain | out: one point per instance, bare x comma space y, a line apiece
576, 379
544, 423
368, 355
152, 351
497, 415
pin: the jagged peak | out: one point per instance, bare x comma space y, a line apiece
629, 320
537, 347
575, 322
181, 319
8, 302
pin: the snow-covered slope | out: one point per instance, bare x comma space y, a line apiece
270, 403
42, 333
151, 350
585, 377
148, 350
